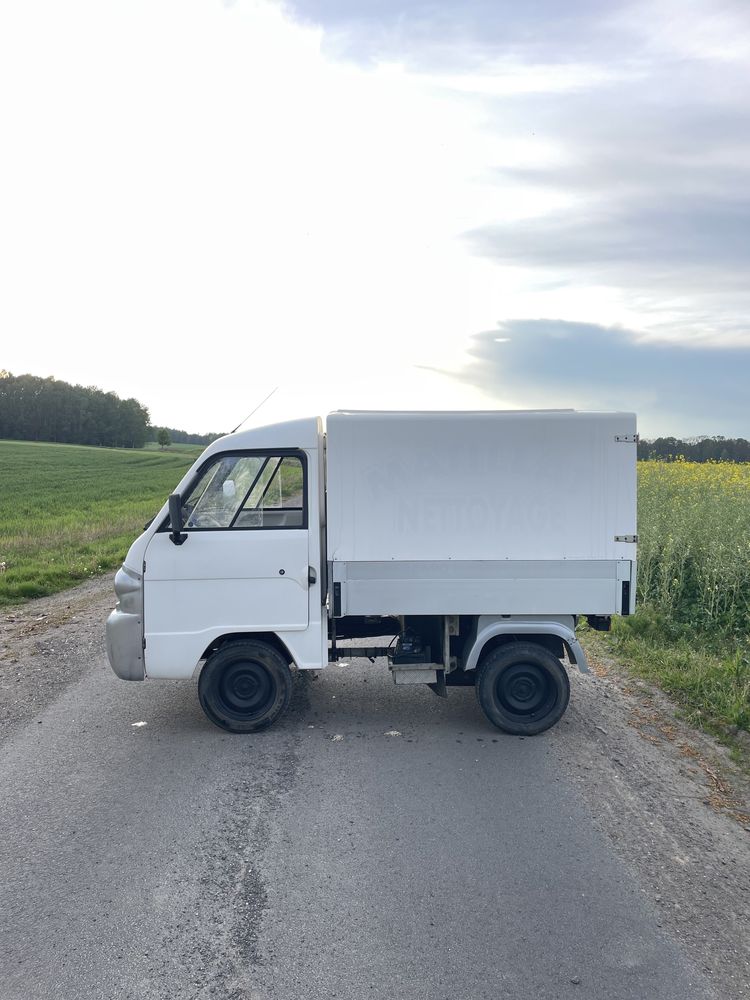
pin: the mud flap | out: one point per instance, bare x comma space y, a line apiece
439, 686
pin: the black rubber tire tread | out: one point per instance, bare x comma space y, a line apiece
544, 663
262, 661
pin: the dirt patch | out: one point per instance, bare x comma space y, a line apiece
46, 645
676, 809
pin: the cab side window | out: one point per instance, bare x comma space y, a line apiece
249, 491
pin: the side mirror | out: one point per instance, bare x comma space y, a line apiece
176, 535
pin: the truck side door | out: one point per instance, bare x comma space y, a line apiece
243, 564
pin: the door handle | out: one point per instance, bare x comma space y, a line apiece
312, 576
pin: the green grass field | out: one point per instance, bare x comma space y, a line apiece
69, 512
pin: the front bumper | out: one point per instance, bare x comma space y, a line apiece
125, 645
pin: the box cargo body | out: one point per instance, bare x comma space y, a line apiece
481, 513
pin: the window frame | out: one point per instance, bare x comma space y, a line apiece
268, 453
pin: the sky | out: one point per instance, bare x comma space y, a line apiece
450, 205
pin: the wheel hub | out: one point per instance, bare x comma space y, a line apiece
523, 688
246, 689
245, 686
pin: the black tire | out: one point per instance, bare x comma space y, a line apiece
522, 688
245, 686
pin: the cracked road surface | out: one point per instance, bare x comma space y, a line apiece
424, 855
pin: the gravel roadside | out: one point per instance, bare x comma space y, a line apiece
675, 809
48, 644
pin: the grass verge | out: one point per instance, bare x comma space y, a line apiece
707, 679
69, 512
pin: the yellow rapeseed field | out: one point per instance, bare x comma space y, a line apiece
694, 543
691, 631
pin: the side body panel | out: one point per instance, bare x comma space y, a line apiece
481, 587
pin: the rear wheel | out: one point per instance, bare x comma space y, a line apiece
522, 688
245, 686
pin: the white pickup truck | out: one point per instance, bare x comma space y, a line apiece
470, 541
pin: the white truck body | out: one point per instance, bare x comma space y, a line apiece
481, 513
474, 524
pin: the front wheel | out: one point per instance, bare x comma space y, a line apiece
245, 686
522, 688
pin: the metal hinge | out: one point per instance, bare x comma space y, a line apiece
626, 538
628, 438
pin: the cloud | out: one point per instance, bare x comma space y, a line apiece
675, 389
420, 33
674, 232
658, 211
621, 156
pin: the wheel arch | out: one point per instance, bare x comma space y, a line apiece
271, 638
245, 686
495, 632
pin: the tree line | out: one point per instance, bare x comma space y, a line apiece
182, 437
46, 409
696, 449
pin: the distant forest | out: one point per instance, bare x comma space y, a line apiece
182, 437
696, 449
45, 409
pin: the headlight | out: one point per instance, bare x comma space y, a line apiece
129, 591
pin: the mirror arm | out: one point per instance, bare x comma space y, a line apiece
176, 535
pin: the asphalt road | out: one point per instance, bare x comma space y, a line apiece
173, 860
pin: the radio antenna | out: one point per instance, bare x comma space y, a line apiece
261, 403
